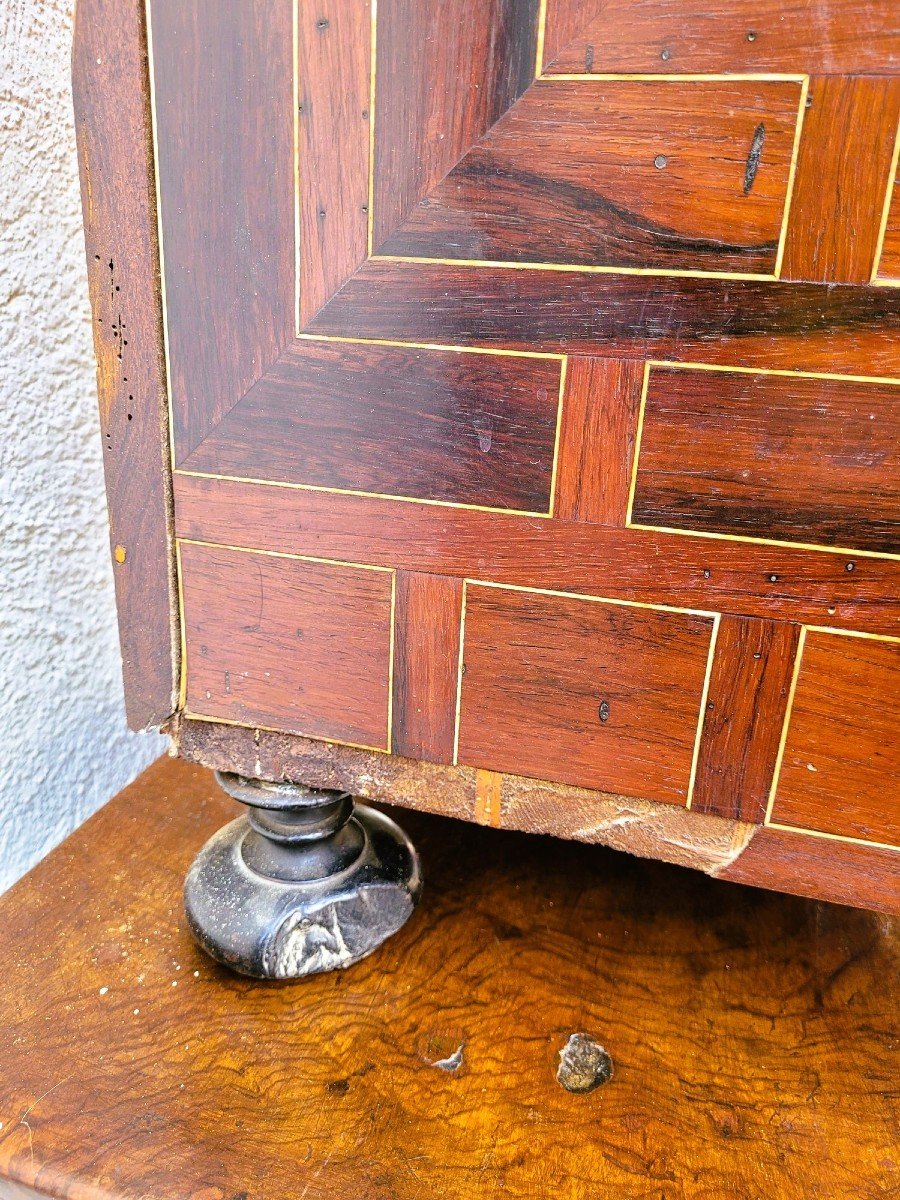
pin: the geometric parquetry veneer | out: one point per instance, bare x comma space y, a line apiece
528, 408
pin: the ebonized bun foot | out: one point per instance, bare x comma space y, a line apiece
308, 881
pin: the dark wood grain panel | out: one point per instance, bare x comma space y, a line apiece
816, 36
426, 660
840, 772
793, 326
745, 709
889, 260
564, 20
395, 420
590, 693
773, 456
843, 872
596, 447
294, 645
333, 43
445, 73
842, 174
224, 116
112, 125
635, 173
777, 582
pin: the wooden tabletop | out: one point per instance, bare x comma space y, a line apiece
753, 1036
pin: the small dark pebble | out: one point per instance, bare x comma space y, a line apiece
583, 1064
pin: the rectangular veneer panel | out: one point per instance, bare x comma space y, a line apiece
583, 691
784, 583
426, 660
645, 173
840, 769
743, 322
771, 456
291, 644
816, 36
745, 706
837, 203
223, 109
333, 39
462, 428
599, 425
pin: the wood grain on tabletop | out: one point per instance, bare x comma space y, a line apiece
752, 1035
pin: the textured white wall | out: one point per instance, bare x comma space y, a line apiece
64, 748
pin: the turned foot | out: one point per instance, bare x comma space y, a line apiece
306, 881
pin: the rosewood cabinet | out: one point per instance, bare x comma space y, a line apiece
500, 402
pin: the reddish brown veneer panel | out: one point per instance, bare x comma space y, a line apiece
631, 173
746, 703
600, 415
814, 36
842, 174
745, 323
840, 772
295, 645
395, 420
586, 692
771, 456
333, 189
113, 127
224, 114
783, 583
426, 664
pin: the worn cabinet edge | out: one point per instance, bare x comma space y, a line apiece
718, 846
113, 126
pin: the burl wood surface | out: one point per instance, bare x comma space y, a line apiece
753, 1036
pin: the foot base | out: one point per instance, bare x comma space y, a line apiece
307, 882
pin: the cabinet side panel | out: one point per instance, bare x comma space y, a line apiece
112, 118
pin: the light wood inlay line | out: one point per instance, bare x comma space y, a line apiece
182, 628
295, 28
373, 61
541, 35
160, 242
792, 175
704, 696
187, 714
578, 269
315, 487
556, 440
459, 672
885, 214
391, 655
833, 837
